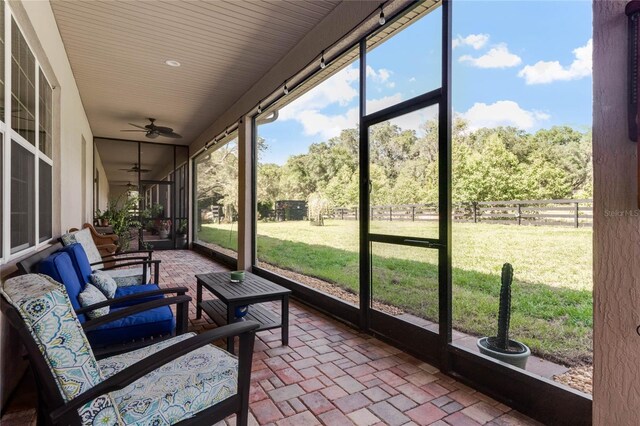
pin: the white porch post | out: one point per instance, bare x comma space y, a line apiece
245, 203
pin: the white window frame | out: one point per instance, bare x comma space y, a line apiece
10, 136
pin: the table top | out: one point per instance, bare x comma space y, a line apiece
253, 286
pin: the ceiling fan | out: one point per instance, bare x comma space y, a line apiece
135, 169
129, 186
152, 131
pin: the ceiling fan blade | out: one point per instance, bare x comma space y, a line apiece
171, 135
154, 131
163, 129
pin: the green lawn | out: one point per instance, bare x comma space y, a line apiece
551, 300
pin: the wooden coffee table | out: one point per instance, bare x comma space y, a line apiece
251, 291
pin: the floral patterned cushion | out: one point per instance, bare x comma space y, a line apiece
177, 390
47, 313
86, 240
128, 276
105, 283
68, 239
89, 296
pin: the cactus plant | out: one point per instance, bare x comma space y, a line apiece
500, 346
501, 341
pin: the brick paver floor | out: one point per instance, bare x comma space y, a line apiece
330, 374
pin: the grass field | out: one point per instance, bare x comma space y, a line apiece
551, 299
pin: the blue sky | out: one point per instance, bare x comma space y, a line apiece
518, 63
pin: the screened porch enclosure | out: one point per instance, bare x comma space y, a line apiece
156, 177
382, 170
382, 265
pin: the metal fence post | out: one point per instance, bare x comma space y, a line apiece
519, 215
413, 213
475, 212
355, 211
390, 214
576, 215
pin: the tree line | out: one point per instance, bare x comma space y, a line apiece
488, 164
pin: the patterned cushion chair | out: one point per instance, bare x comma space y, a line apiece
123, 267
184, 380
128, 325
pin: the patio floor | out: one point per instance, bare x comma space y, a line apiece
329, 374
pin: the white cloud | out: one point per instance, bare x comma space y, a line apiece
543, 72
497, 57
477, 41
316, 123
416, 119
327, 126
502, 113
412, 79
377, 104
339, 89
380, 76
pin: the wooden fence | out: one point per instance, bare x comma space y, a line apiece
575, 213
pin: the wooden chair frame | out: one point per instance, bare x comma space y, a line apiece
28, 265
52, 410
107, 247
181, 300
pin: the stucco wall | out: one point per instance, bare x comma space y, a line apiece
70, 207
616, 396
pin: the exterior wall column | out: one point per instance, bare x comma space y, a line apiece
245, 202
616, 220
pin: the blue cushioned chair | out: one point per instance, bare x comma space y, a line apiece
133, 317
83, 271
122, 267
181, 381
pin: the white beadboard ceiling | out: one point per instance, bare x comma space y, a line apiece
118, 50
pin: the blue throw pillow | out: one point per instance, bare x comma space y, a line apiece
89, 296
105, 283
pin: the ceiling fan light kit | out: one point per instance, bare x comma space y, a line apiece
152, 131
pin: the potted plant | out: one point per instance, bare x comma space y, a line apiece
165, 227
181, 234
102, 217
501, 347
122, 214
151, 218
